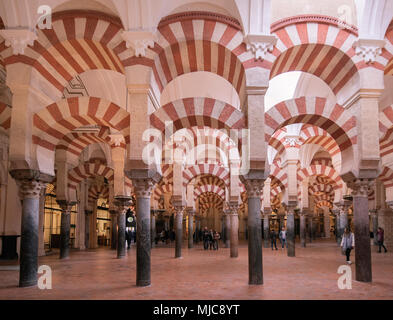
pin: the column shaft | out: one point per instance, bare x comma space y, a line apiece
266, 231
234, 238
153, 230
291, 234
143, 241
303, 230
65, 234
179, 232
190, 231
227, 230
114, 230
121, 234
255, 275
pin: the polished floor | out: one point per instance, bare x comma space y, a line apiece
97, 274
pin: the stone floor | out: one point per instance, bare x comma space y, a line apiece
97, 274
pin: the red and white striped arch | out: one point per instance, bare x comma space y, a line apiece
317, 111
98, 191
320, 188
324, 203
319, 170
190, 172
209, 188
5, 116
314, 135
322, 161
278, 177
194, 41
78, 41
210, 200
386, 131
315, 44
387, 52
52, 123
386, 176
89, 169
162, 188
200, 112
208, 179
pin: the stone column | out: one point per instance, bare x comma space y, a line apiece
93, 226
310, 227
179, 228
153, 229
362, 229
326, 224
374, 219
30, 183
190, 228
254, 188
114, 235
41, 241
266, 229
66, 207
385, 221
122, 204
143, 189
88, 214
303, 229
343, 219
227, 223
291, 230
234, 230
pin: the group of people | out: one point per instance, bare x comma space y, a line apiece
282, 236
210, 239
348, 242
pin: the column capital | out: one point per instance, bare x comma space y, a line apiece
139, 41
360, 187
122, 203
260, 44
30, 182
253, 186
65, 205
18, 39
233, 208
369, 49
143, 187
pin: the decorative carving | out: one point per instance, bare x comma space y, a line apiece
292, 141
233, 208
253, 187
30, 188
65, 205
260, 45
122, 203
116, 139
139, 41
369, 49
360, 187
143, 187
18, 39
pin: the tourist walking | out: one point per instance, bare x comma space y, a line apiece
216, 237
273, 238
347, 243
381, 239
206, 238
283, 238
211, 239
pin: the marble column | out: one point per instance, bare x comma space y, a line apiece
113, 214
153, 229
30, 184
143, 189
266, 229
122, 204
374, 219
179, 229
303, 229
227, 224
362, 229
254, 188
343, 220
66, 207
326, 224
291, 230
88, 214
41, 241
234, 230
190, 229
93, 242
310, 227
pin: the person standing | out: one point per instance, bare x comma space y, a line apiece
348, 243
381, 239
216, 237
206, 237
211, 239
283, 238
273, 238
128, 237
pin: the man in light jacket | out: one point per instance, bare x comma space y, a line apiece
348, 243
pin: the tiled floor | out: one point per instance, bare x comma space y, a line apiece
312, 274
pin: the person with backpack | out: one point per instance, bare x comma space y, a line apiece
273, 238
381, 239
348, 243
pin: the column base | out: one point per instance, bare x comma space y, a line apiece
28, 284
143, 283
